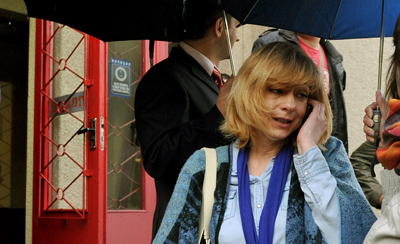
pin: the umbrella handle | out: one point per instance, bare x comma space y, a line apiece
377, 113
228, 40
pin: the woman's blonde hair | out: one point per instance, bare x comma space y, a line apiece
278, 65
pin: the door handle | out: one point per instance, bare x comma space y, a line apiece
92, 133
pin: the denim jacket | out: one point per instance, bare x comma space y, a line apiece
180, 223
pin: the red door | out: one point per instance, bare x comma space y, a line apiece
69, 192
89, 185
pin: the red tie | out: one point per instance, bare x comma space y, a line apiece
216, 75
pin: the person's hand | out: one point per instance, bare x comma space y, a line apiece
223, 94
368, 122
313, 128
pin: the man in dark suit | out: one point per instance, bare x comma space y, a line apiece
178, 106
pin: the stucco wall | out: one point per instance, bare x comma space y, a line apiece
361, 61
13, 5
30, 122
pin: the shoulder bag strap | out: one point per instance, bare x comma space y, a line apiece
210, 179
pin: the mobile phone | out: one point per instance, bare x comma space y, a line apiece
308, 112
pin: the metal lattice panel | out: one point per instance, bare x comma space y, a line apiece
62, 178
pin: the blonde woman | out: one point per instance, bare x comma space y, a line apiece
284, 180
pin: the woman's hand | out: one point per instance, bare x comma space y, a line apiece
313, 128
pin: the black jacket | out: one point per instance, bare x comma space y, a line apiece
337, 77
175, 116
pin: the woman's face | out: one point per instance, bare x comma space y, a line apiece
288, 107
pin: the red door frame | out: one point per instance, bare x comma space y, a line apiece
58, 229
97, 225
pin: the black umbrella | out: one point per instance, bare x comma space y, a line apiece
116, 20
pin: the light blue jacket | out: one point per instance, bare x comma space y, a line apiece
180, 223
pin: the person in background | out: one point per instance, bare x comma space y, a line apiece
386, 230
362, 159
179, 103
284, 179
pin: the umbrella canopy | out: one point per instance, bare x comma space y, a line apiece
117, 20
162, 19
329, 19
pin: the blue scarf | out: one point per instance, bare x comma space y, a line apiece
276, 186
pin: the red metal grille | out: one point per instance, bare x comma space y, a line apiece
62, 167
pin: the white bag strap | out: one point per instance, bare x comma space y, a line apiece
210, 179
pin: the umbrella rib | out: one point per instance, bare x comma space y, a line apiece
251, 10
334, 23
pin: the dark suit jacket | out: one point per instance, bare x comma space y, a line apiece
175, 116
